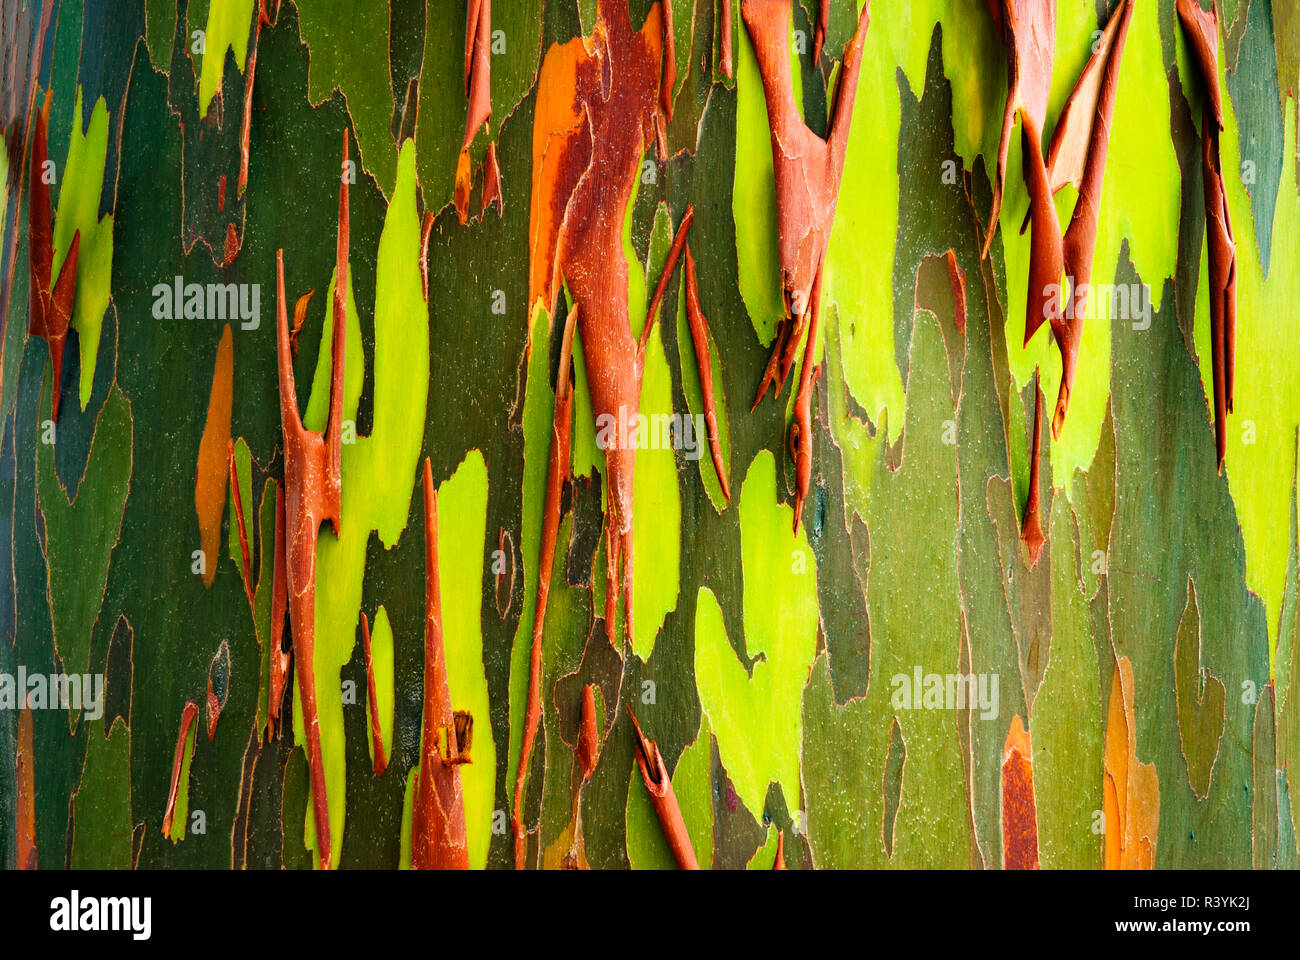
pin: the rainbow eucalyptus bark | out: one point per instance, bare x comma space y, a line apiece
438, 815
700, 339
313, 488
654, 774
380, 754
188, 715
478, 88
808, 170
51, 308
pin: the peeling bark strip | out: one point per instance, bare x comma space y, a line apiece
25, 800
588, 735
438, 818
725, 54
478, 88
1130, 788
808, 171
313, 487
597, 110
700, 338
1202, 29
1086, 119
277, 655
238, 500
51, 307
1031, 524
376, 734
779, 862
660, 787
187, 720
1019, 812
263, 19
557, 472
211, 472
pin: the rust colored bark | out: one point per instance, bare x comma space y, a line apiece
478, 89
588, 735
1130, 788
376, 735
808, 170
557, 472
51, 308
210, 470
819, 32
597, 110
779, 862
1031, 525
187, 720
1093, 102
660, 787
724, 40
1202, 29
425, 232
957, 279
438, 817
700, 338
1019, 811
313, 487
25, 800
246, 125
668, 78
278, 657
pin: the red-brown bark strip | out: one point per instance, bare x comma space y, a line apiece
557, 472
376, 734
1031, 524
478, 89
779, 862
808, 170
1081, 237
1202, 30
187, 720
668, 79
660, 787
1019, 812
725, 56
438, 816
425, 233
957, 279
51, 309
25, 785
700, 338
588, 748
819, 31
670, 264
313, 486
277, 656
246, 124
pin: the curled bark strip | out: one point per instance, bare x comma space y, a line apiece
779, 862
1028, 31
660, 787
557, 472
478, 88
210, 471
187, 720
674, 252
700, 338
238, 498
1202, 28
819, 32
299, 316
588, 735
279, 658
313, 486
51, 308
425, 232
438, 818
668, 79
1031, 525
491, 183
1130, 788
263, 19
25, 800
726, 57
1081, 237
376, 734
808, 170
1019, 811
596, 113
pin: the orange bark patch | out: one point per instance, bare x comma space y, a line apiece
213, 466
1019, 812
1131, 789
26, 796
